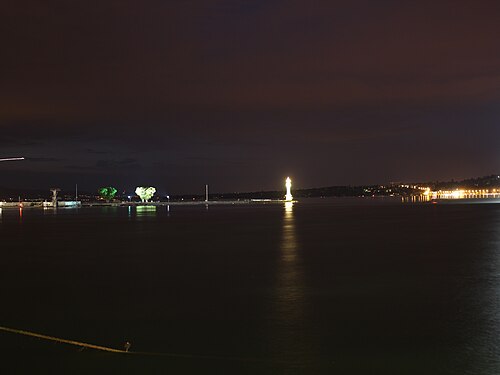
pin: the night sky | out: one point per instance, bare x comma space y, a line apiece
240, 94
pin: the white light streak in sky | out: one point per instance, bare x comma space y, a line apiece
12, 159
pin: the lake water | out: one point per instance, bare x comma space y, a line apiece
347, 286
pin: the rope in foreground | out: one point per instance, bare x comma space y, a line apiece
113, 350
63, 341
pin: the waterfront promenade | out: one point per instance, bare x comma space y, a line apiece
75, 204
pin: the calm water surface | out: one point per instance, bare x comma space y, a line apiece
341, 286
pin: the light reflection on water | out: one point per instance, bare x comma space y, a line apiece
145, 211
141, 212
489, 339
496, 308
404, 289
478, 319
289, 244
288, 302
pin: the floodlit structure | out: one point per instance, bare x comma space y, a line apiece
288, 185
145, 192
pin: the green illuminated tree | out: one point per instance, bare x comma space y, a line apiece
107, 193
145, 192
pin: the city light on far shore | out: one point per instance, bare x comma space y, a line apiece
462, 193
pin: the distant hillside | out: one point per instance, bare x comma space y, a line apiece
399, 189
32, 194
13, 193
486, 182
330, 191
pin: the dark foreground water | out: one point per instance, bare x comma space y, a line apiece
326, 287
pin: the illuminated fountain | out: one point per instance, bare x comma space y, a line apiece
288, 185
145, 193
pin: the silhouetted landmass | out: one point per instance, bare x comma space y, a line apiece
336, 191
486, 182
13, 193
330, 191
392, 189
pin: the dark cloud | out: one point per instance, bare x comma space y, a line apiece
241, 93
43, 160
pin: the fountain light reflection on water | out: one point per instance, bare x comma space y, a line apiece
290, 277
288, 295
